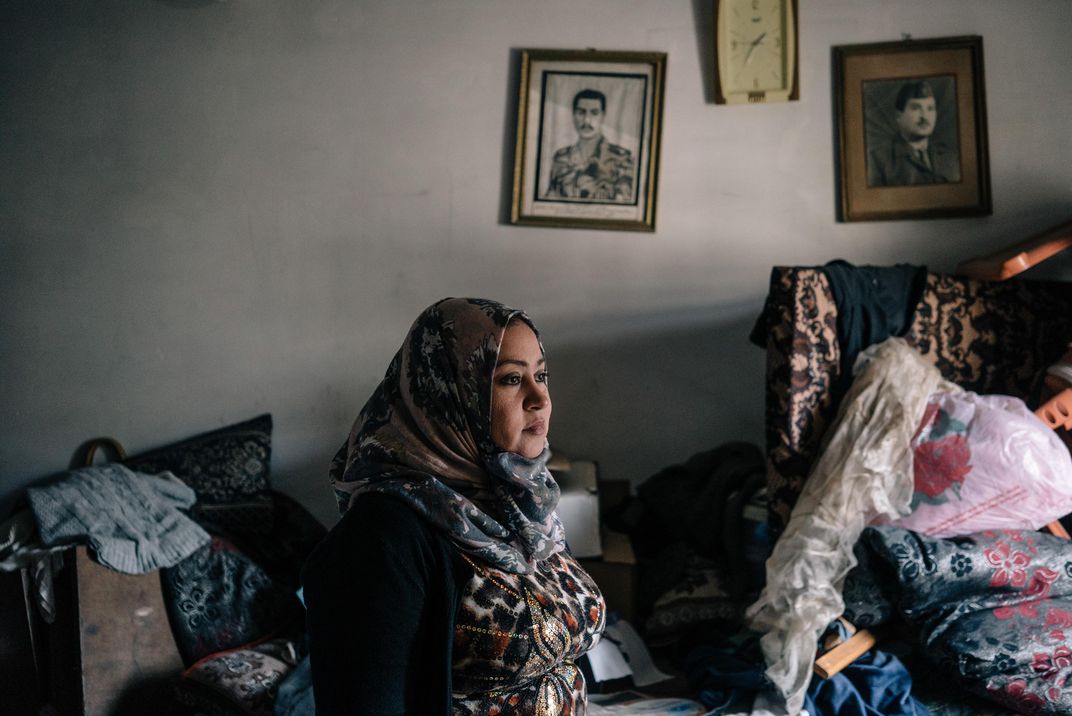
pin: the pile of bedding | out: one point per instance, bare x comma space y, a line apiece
929, 460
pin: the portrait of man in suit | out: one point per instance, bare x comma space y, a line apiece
911, 140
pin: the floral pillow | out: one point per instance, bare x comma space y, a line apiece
227, 468
993, 609
227, 594
986, 462
218, 599
241, 681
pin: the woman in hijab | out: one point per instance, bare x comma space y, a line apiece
446, 587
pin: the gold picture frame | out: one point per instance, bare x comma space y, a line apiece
911, 126
587, 148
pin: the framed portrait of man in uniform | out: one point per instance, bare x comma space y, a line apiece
911, 123
587, 151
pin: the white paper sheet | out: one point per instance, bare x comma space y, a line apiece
635, 652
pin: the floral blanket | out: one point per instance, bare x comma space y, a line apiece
992, 610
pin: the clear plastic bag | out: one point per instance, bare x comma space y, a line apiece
985, 462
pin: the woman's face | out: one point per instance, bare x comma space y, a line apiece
520, 402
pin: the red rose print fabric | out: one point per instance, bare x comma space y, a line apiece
991, 611
983, 462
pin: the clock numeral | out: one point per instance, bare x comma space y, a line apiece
754, 97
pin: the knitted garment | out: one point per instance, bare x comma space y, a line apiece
130, 521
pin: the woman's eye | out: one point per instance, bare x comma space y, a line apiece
542, 376
512, 379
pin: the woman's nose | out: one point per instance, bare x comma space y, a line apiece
537, 397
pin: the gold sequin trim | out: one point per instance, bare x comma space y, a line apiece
493, 632
549, 696
490, 578
475, 677
545, 629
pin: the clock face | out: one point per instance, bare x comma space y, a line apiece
756, 50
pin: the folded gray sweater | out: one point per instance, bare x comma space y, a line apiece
131, 521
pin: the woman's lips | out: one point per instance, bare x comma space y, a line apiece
537, 428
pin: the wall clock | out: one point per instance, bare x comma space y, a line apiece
756, 51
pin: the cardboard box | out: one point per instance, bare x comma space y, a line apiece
616, 574
578, 507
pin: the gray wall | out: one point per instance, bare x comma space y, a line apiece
213, 209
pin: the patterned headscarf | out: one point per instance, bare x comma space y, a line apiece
425, 436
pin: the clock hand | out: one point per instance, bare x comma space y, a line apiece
748, 56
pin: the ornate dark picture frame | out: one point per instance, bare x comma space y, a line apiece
911, 129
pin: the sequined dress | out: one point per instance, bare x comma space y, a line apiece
517, 637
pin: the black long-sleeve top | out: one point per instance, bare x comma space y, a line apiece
381, 592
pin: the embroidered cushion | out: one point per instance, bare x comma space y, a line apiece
237, 590
993, 610
228, 468
241, 681
218, 598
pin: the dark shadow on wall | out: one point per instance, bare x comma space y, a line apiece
509, 137
1040, 220
949, 242
642, 401
703, 15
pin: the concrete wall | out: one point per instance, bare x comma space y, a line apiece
213, 209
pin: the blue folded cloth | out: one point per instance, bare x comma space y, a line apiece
131, 521
731, 674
